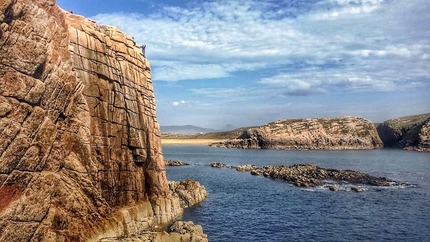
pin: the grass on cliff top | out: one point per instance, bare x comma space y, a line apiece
407, 122
208, 136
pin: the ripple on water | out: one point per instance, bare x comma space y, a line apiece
242, 207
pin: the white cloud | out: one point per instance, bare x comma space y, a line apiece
347, 8
178, 103
350, 44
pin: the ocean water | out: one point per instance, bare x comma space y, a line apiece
243, 207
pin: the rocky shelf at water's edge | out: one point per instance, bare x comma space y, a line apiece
309, 175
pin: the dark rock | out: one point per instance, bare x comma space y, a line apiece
245, 167
357, 189
218, 165
333, 188
175, 163
309, 175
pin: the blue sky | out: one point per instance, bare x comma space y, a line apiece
252, 62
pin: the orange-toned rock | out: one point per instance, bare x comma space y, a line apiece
311, 133
80, 150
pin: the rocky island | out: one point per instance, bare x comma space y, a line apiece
311, 133
80, 149
310, 175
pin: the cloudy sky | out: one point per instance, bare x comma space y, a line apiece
251, 62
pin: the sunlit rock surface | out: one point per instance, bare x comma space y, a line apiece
311, 133
80, 153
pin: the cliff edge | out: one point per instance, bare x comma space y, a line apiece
80, 150
408, 132
310, 133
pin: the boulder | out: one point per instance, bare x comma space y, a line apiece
218, 165
357, 189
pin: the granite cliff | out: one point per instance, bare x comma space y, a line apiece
409, 132
80, 151
310, 133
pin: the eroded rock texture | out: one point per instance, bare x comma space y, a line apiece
309, 175
311, 133
80, 154
424, 136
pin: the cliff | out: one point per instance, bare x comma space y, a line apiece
410, 132
80, 151
310, 133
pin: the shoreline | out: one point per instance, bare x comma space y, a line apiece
189, 141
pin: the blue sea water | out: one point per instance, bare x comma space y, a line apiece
243, 207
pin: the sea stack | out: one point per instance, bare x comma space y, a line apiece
80, 150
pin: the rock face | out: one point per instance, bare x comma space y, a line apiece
309, 175
80, 153
410, 132
424, 137
324, 133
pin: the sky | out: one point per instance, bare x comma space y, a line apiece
251, 62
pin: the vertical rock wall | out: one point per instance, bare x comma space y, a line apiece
80, 154
120, 116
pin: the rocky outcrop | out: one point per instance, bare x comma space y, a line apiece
424, 137
324, 133
188, 192
309, 175
175, 163
218, 165
80, 150
409, 132
178, 231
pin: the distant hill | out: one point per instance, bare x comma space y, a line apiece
184, 129
228, 127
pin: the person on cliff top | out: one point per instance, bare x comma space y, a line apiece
143, 49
